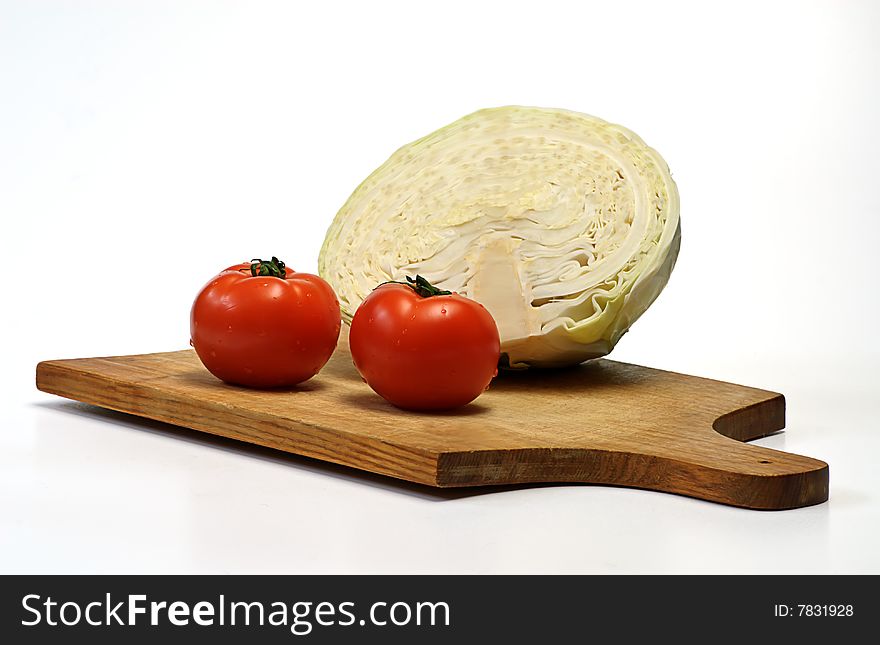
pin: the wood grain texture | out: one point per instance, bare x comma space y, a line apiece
604, 423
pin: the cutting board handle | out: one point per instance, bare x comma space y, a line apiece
697, 458
739, 474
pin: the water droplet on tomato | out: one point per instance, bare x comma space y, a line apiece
443, 311
413, 317
229, 329
213, 354
191, 344
370, 320
265, 284
495, 373
404, 330
308, 295
397, 342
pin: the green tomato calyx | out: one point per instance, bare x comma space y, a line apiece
421, 286
274, 268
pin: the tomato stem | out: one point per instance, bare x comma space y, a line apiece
421, 286
274, 268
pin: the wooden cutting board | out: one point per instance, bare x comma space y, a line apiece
601, 423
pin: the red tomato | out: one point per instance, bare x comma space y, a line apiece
265, 325
424, 349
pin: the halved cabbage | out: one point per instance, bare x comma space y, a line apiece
565, 227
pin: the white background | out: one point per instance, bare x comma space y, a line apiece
146, 145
